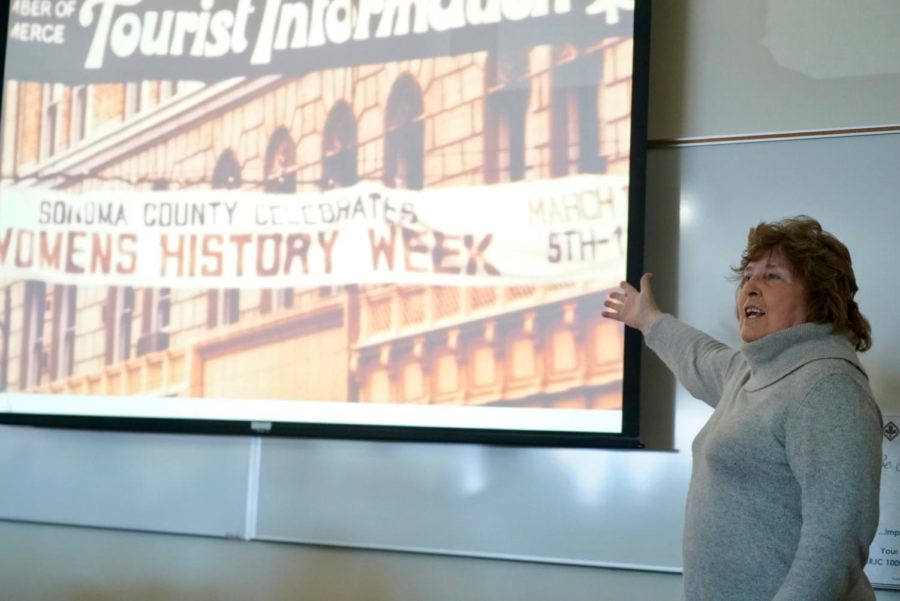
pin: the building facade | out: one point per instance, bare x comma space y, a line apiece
544, 112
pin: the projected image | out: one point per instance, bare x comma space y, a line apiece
327, 212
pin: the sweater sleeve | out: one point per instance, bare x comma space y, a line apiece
833, 444
700, 362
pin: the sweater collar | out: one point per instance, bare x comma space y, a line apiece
774, 356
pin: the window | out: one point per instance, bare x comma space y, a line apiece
404, 142
4, 338
62, 359
339, 152
484, 371
379, 389
413, 382
563, 351
223, 306
447, 372
281, 163
574, 138
157, 304
167, 89
607, 344
227, 174
78, 124
506, 107
50, 135
135, 93
155, 308
281, 178
118, 315
521, 359
32, 365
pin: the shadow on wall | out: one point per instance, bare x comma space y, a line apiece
663, 213
669, 35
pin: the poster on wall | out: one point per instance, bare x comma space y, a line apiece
883, 567
353, 218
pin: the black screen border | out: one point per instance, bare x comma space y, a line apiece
628, 438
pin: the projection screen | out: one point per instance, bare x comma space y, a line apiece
389, 219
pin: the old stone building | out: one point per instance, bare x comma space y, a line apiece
475, 118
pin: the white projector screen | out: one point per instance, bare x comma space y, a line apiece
386, 219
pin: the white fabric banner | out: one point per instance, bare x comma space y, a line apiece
561, 230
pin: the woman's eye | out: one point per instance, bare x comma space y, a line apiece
773, 276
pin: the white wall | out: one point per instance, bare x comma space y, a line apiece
725, 67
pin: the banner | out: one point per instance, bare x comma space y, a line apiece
91, 41
563, 230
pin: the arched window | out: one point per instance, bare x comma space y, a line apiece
281, 163
223, 305
404, 141
227, 174
574, 131
508, 93
339, 151
281, 178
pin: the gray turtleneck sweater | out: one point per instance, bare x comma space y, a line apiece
783, 500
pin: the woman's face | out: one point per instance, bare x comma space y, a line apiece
771, 297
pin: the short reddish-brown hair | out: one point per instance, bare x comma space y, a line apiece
823, 263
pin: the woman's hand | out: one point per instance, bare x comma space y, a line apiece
635, 308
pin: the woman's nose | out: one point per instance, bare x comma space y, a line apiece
751, 286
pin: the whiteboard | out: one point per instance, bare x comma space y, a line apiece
158, 482
602, 507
